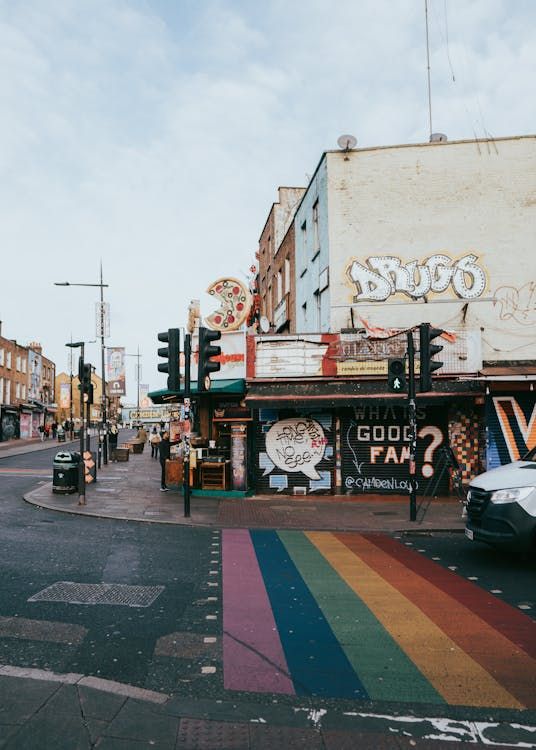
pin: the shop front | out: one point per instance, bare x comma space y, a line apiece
9, 423
219, 436
352, 443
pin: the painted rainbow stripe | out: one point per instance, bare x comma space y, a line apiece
349, 615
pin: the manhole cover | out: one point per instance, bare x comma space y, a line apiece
68, 592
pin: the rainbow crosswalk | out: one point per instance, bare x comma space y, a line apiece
347, 615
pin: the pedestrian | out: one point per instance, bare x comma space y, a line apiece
113, 437
154, 439
142, 434
164, 455
54, 427
41, 432
47, 431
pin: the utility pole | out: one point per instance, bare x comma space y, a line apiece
412, 416
186, 462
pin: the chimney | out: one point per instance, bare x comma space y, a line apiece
36, 347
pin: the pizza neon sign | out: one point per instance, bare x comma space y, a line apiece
235, 303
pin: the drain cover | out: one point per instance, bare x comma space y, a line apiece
385, 513
98, 593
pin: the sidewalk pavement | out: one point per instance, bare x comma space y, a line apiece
131, 490
43, 710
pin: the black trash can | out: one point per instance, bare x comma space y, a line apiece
65, 472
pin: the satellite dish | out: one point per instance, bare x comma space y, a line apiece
265, 324
347, 142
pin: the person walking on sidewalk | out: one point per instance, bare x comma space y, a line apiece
154, 440
164, 455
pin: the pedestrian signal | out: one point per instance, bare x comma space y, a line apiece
396, 375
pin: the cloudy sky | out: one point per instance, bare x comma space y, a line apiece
153, 134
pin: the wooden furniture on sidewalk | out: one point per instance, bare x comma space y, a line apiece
215, 476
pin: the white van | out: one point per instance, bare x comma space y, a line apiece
501, 505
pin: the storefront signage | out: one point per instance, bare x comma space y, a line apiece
383, 276
235, 302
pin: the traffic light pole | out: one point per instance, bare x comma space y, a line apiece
187, 388
81, 472
412, 417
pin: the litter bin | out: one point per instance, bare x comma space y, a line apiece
61, 437
65, 472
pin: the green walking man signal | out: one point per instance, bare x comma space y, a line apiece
396, 374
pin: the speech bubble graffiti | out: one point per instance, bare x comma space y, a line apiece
297, 444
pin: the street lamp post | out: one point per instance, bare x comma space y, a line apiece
102, 334
81, 472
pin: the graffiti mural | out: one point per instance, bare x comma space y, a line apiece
511, 424
517, 304
383, 276
297, 455
375, 443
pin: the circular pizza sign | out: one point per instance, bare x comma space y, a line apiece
235, 301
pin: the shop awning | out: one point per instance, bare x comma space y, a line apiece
287, 395
217, 388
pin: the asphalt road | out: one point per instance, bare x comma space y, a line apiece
143, 604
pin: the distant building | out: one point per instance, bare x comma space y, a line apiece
27, 396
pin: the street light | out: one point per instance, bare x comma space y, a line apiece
102, 332
81, 472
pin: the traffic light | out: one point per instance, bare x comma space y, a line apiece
206, 365
172, 352
84, 375
428, 365
396, 374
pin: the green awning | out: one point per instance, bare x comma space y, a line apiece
217, 387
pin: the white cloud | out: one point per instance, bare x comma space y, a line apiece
155, 134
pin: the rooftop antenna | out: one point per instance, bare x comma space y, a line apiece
428, 67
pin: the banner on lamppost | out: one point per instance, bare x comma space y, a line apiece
65, 395
116, 373
102, 319
145, 401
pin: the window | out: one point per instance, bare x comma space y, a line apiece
17, 364
8, 361
24, 365
269, 303
23, 391
1, 390
279, 286
17, 390
287, 276
304, 246
7, 387
1, 357
316, 236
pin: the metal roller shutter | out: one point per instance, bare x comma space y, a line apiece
294, 453
375, 448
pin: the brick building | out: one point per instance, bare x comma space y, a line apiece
26, 389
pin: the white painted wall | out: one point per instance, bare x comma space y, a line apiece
470, 202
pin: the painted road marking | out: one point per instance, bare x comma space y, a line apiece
381, 619
253, 653
455, 675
